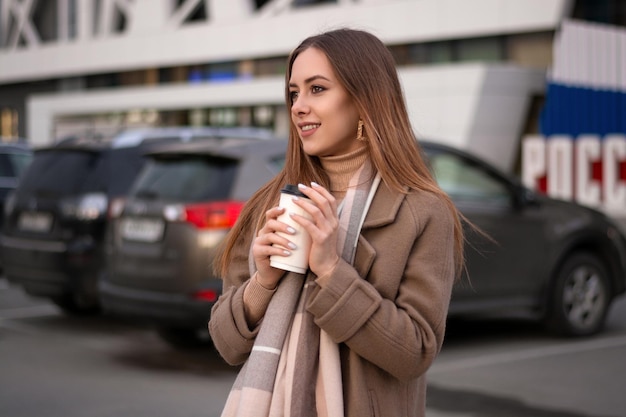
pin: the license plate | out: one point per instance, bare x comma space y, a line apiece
142, 230
35, 222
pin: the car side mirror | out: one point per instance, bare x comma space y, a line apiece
526, 197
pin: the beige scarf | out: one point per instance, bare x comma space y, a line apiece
294, 368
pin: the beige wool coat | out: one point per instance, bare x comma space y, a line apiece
387, 312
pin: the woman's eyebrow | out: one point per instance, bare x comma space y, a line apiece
310, 80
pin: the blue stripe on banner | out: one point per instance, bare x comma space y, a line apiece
576, 110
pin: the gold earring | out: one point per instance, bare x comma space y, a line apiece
359, 131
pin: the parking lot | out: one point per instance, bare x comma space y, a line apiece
56, 365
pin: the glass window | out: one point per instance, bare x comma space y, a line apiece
480, 49
298, 3
464, 181
59, 173
418, 53
6, 168
222, 71
440, 52
270, 66
603, 11
19, 162
70, 172
8, 122
187, 179
122, 165
401, 54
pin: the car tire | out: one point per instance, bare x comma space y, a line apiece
580, 296
184, 338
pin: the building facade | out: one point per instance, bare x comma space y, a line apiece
473, 71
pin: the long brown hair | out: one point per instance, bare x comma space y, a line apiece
366, 69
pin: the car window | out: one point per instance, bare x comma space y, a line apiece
121, 166
464, 181
187, 179
6, 167
63, 172
20, 162
13, 164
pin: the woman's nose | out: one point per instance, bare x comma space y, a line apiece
299, 106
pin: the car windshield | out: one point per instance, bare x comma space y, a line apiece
188, 179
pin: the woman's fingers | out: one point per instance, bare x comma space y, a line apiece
268, 241
323, 211
322, 227
322, 198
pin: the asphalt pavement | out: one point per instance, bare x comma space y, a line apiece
62, 366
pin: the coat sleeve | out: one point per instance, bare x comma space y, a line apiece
229, 330
395, 316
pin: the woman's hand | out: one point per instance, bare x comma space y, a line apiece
263, 248
322, 227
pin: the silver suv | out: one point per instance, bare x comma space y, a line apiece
164, 238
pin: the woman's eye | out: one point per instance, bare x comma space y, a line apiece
293, 95
317, 89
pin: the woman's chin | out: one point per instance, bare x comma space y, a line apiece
310, 150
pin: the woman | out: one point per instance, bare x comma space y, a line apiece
356, 334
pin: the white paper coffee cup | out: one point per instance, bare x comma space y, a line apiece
298, 261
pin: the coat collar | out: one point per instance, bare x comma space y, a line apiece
384, 208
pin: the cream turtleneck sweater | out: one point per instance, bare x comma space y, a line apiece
341, 168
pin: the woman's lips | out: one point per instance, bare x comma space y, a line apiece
308, 129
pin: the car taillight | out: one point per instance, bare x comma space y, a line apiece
205, 295
214, 215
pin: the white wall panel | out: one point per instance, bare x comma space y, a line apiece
474, 106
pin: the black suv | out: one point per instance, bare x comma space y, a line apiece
164, 239
55, 222
14, 159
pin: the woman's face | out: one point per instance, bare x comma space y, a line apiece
321, 109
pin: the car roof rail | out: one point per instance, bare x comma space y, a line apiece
134, 137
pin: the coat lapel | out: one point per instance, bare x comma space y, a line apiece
384, 208
383, 211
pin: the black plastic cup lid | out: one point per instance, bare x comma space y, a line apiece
292, 189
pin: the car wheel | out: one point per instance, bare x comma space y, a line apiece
183, 337
580, 296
